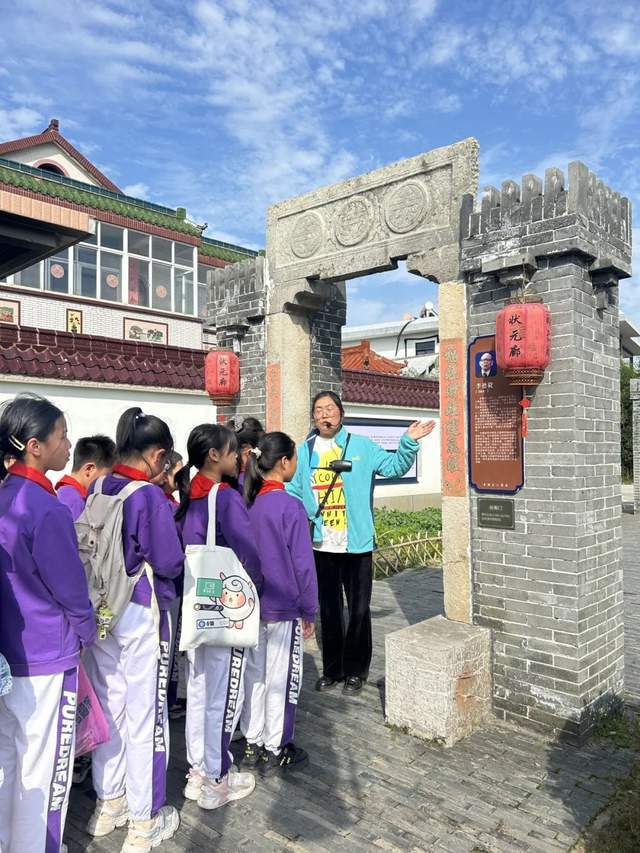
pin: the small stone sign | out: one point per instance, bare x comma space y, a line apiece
497, 513
496, 458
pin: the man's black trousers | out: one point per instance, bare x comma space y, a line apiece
345, 651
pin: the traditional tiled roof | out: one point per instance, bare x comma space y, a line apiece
52, 134
76, 194
362, 357
47, 354
359, 386
226, 251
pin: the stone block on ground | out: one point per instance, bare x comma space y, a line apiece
438, 679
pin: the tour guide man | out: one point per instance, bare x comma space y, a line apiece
339, 504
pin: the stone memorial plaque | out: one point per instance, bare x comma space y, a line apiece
496, 457
497, 513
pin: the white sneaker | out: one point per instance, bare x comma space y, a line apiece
234, 786
195, 781
107, 815
144, 835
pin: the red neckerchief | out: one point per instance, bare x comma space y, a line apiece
71, 481
270, 486
171, 499
201, 486
129, 473
19, 469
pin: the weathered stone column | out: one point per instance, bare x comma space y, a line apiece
551, 590
635, 399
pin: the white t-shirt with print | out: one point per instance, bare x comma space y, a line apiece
334, 513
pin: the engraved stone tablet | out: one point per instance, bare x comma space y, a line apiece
353, 222
307, 234
405, 207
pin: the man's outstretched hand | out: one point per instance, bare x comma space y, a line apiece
420, 429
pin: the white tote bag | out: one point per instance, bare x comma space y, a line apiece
220, 604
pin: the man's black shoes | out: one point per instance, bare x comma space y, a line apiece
326, 683
353, 684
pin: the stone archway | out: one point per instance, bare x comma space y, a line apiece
409, 210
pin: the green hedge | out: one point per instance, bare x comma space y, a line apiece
396, 524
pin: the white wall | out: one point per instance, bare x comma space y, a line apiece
426, 492
41, 312
91, 409
49, 151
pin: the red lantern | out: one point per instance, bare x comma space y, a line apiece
222, 376
523, 342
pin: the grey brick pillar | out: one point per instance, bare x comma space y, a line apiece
635, 399
236, 311
551, 590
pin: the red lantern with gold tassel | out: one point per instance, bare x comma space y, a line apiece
523, 342
523, 347
222, 376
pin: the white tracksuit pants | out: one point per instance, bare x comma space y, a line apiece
215, 692
37, 740
272, 685
130, 679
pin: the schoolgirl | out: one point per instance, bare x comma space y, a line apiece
129, 669
213, 707
288, 606
46, 617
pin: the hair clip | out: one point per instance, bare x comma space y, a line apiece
16, 443
257, 452
140, 415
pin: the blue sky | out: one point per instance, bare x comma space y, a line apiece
225, 107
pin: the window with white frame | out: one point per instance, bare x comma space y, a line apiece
124, 266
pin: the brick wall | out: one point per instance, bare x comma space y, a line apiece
551, 590
635, 397
326, 343
237, 310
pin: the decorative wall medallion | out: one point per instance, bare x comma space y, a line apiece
161, 291
306, 237
57, 270
405, 207
353, 222
112, 280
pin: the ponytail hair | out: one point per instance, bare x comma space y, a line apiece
201, 440
271, 448
26, 416
137, 432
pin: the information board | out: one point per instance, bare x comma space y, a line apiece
496, 457
386, 433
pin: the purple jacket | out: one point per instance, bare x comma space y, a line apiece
149, 533
232, 529
45, 612
281, 528
72, 499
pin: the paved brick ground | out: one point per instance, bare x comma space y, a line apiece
370, 788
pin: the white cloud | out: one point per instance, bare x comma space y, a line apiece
139, 190
19, 121
420, 10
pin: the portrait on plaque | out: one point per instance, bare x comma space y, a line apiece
486, 364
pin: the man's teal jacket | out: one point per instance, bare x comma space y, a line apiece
368, 460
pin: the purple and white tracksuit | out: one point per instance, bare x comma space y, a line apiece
215, 675
274, 669
71, 498
129, 670
45, 618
